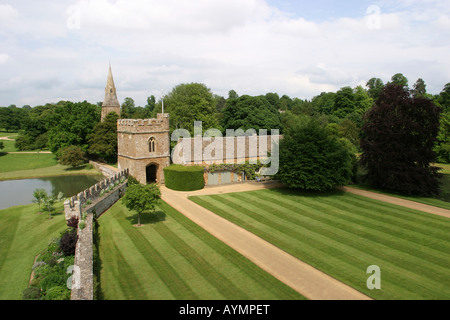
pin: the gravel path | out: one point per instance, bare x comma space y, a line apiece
308, 281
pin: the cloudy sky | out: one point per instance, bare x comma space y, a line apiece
60, 50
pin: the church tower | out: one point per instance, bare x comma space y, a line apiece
111, 103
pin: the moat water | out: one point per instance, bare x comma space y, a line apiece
20, 192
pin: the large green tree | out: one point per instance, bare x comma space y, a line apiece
247, 112
398, 140
311, 159
188, 103
103, 140
71, 124
374, 85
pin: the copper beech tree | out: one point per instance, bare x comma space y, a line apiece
398, 138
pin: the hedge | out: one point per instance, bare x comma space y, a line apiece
182, 178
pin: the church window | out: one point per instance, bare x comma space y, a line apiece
152, 145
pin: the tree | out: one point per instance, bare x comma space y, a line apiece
419, 88
103, 140
311, 159
188, 103
442, 148
71, 124
151, 103
324, 102
49, 202
39, 196
374, 85
248, 112
140, 198
344, 102
73, 156
398, 140
399, 79
127, 108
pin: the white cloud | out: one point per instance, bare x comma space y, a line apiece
3, 58
245, 45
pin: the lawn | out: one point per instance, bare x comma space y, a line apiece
23, 235
441, 200
343, 234
26, 161
171, 258
8, 146
28, 166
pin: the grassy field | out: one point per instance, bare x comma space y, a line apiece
23, 235
343, 234
26, 161
172, 258
28, 166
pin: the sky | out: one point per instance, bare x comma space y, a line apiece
61, 50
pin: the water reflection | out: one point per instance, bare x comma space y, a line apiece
20, 192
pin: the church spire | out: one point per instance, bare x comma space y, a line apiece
111, 103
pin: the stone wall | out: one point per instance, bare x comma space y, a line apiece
91, 203
106, 170
93, 195
83, 278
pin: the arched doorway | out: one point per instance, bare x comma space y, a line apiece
152, 173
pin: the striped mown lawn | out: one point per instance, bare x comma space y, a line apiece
343, 234
23, 235
172, 258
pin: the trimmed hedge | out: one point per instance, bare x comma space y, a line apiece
181, 178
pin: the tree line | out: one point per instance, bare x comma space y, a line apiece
59, 125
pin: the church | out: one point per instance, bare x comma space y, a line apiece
143, 145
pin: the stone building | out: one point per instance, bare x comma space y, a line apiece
111, 103
144, 147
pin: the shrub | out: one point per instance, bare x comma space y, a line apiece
31, 293
181, 178
73, 156
73, 222
82, 225
132, 181
52, 280
68, 243
58, 293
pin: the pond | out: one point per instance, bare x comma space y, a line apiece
20, 192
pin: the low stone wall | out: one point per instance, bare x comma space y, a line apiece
75, 205
106, 170
88, 204
83, 279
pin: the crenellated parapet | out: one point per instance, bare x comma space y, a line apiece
161, 123
73, 206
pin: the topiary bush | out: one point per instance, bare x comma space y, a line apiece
182, 178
